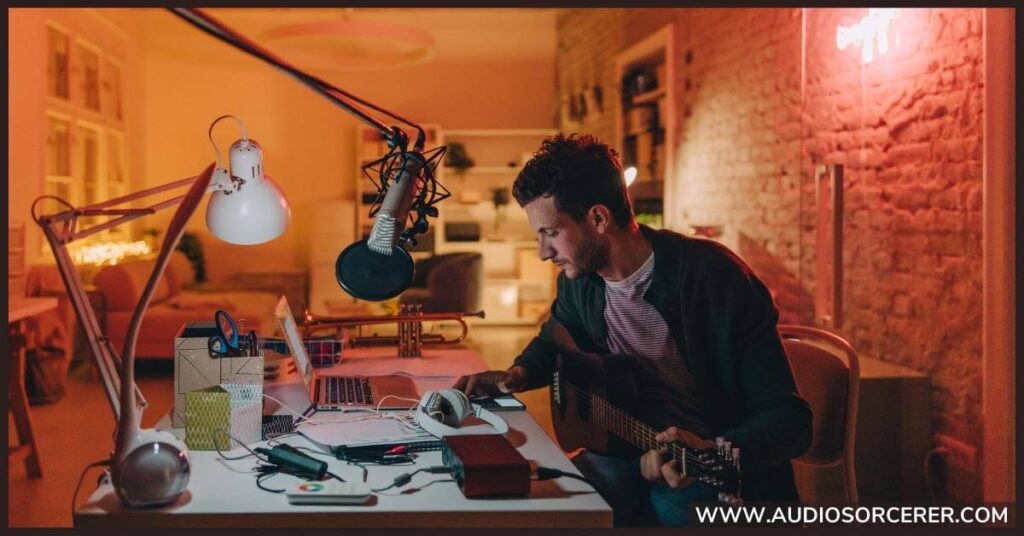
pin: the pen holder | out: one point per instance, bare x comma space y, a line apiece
195, 368
236, 409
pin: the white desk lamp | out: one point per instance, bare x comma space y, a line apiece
151, 467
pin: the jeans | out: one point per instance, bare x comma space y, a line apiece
634, 500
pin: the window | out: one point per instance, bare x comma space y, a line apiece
57, 63
58, 181
117, 185
88, 145
85, 160
111, 90
89, 77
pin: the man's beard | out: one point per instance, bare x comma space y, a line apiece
593, 256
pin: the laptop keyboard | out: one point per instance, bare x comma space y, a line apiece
348, 390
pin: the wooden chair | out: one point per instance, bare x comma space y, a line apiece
827, 374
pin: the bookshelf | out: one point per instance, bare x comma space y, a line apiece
645, 123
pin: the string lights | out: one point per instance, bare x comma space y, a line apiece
108, 253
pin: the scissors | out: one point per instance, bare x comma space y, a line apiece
225, 344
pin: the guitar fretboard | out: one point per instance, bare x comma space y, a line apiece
624, 425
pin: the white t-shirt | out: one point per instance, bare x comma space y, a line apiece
667, 395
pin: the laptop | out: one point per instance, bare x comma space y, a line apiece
338, 391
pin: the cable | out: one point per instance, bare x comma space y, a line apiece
244, 446
929, 473
547, 473
405, 419
405, 478
81, 477
267, 471
245, 136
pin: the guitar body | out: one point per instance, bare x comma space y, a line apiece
593, 403
608, 377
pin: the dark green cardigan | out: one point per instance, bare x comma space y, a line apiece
725, 325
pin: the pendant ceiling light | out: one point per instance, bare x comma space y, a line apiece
350, 44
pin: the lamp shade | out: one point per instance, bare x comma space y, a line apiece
256, 212
249, 208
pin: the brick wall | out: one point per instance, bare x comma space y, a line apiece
906, 127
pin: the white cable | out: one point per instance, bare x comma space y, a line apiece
293, 412
245, 135
405, 419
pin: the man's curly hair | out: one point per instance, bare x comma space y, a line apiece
579, 172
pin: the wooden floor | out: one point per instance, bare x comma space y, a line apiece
79, 430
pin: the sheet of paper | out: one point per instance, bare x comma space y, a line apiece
347, 431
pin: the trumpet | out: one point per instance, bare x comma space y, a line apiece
313, 323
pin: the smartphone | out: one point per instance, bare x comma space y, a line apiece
500, 403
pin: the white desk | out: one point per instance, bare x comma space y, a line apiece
221, 494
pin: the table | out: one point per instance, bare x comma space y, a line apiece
17, 312
221, 495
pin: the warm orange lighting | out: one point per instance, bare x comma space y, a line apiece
872, 30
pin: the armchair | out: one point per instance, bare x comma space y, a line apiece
450, 282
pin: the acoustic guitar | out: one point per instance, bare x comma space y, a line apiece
593, 400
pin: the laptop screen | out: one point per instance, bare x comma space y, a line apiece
291, 337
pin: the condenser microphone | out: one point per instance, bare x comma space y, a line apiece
379, 268
394, 209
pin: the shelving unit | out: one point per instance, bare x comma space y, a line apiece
645, 128
518, 287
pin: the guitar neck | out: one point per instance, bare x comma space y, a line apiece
627, 427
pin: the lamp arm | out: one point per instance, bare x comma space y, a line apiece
130, 420
213, 27
60, 230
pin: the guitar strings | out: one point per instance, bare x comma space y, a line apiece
640, 430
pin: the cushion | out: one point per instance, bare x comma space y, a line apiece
190, 300
180, 273
253, 310
122, 284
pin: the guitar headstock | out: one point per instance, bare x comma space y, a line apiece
716, 467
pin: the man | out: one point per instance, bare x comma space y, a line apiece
701, 325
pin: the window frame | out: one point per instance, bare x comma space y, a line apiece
103, 122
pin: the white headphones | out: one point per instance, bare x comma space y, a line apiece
441, 412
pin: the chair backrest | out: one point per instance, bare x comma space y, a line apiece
826, 372
454, 282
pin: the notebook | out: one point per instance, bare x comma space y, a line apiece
337, 391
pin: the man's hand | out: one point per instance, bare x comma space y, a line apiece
492, 382
659, 466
